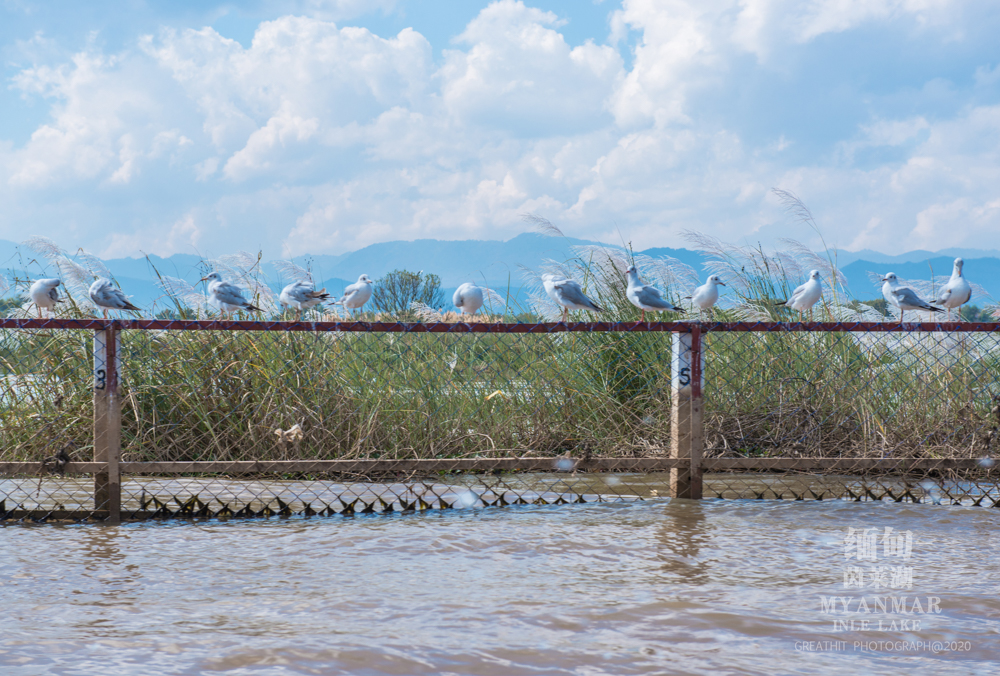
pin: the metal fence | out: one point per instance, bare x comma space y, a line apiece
133, 419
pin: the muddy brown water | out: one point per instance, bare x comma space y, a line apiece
656, 586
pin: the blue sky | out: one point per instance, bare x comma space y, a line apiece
321, 126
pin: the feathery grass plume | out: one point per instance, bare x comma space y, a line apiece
94, 265
183, 294
810, 260
76, 280
542, 225
45, 247
801, 212
243, 269
292, 272
425, 312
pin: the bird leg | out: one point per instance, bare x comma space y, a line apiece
39, 311
643, 320
800, 316
565, 315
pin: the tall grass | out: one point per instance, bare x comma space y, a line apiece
224, 395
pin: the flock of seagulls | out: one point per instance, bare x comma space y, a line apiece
567, 293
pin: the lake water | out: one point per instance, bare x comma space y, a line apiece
649, 587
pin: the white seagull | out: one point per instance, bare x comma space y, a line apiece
227, 297
357, 294
957, 291
468, 298
43, 294
904, 297
646, 297
109, 297
707, 294
805, 296
302, 295
568, 294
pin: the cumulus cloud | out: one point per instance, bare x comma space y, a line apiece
318, 136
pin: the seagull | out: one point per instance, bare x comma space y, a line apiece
108, 297
805, 296
646, 297
357, 294
302, 295
904, 297
227, 297
468, 298
706, 294
568, 294
43, 294
957, 291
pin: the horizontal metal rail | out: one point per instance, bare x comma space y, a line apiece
501, 464
499, 328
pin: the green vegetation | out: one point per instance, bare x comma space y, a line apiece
397, 291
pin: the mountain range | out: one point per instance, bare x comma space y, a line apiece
497, 264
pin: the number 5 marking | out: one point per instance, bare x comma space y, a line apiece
684, 376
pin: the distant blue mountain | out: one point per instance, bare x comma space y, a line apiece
495, 263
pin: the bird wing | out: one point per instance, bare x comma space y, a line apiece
799, 290
651, 296
230, 294
571, 292
908, 297
945, 294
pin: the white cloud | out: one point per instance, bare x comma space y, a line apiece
319, 137
519, 74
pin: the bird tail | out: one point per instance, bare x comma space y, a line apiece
252, 308
132, 308
781, 302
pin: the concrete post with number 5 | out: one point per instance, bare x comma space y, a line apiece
686, 378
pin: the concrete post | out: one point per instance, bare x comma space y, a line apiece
687, 440
107, 422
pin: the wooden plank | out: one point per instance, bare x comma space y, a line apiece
838, 464
660, 464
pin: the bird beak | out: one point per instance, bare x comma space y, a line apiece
722, 283
885, 279
203, 279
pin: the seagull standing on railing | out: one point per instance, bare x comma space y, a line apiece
357, 294
805, 296
904, 297
468, 298
646, 297
707, 294
302, 295
43, 294
957, 291
227, 297
109, 297
568, 294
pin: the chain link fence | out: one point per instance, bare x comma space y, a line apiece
152, 419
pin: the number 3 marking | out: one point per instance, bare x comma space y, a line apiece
100, 377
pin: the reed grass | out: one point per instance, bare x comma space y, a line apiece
206, 395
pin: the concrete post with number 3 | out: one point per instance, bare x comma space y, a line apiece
687, 378
107, 423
